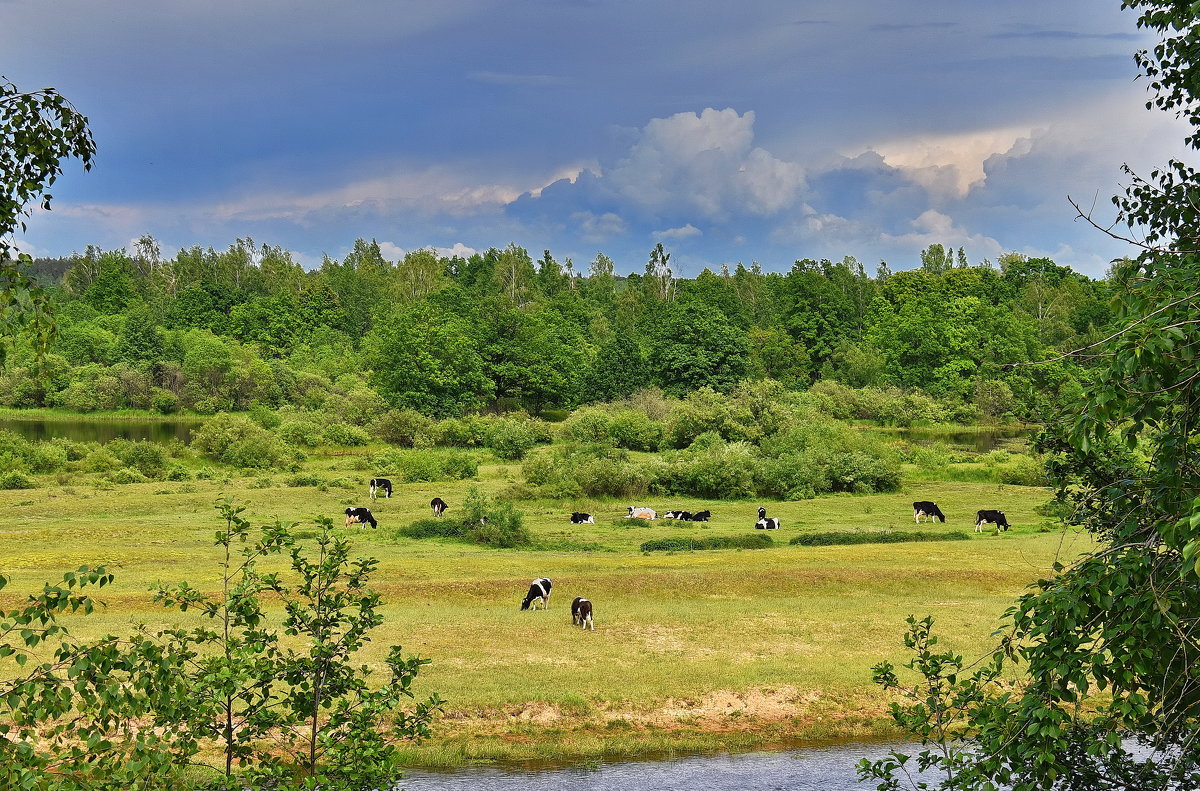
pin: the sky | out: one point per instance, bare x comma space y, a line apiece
753, 131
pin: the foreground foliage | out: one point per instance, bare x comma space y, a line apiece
1106, 649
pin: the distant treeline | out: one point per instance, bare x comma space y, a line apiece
225, 330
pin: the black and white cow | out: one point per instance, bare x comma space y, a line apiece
685, 516
996, 518
771, 523
381, 485
360, 515
641, 512
578, 518
762, 512
701, 516
928, 509
438, 505
581, 613
539, 589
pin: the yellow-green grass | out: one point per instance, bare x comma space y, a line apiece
692, 650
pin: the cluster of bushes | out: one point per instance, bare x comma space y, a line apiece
883, 537
414, 466
484, 521
625, 428
887, 406
240, 442
752, 541
808, 454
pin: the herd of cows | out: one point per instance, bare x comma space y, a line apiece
581, 608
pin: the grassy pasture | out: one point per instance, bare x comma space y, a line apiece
706, 649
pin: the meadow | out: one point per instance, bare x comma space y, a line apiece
721, 649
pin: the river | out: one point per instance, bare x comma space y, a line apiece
815, 769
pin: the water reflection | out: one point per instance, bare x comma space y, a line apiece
816, 769
84, 430
980, 441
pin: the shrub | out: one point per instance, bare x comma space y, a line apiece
48, 457
305, 479
510, 439
301, 433
753, 541
258, 451
884, 537
74, 450
100, 460
345, 435
434, 528
128, 475
177, 473
265, 416
588, 426
593, 470
15, 479
239, 441
465, 432
1027, 471
635, 431
415, 466
725, 472
148, 458
404, 427
164, 402
493, 524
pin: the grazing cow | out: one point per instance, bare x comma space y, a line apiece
767, 524
381, 484
582, 519
928, 509
360, 515
438, 505
701, 516
538, 589
995, 517
685, 516
581, 613
762, 512
641, 512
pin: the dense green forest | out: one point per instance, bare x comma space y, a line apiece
212, 330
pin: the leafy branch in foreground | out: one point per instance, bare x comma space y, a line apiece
75, 715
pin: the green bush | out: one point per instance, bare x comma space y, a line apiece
177, 473
464, 432
415, 466
15, 479
265, 416
569, 471
301, 433
726, 472
100, 460
510, 439
633, 430
753, 541
128, 475
239, 441
434, 528
493, 524
48, 457
345, 435
404, 427
164, 402
148, 458
587, 426
305, 479
885, 537
1027, 471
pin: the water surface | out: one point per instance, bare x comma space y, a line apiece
814, 769
87, 430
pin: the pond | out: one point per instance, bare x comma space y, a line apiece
83, 429
979, 440
819, 769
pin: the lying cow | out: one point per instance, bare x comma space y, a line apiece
381, 485
438, 505
996, 518
539, 590
581, 613
640, 512
582, 519
928, 509
762, 512
685, 516
701, 516
771, 523
360, 515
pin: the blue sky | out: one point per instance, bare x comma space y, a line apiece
732, 132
